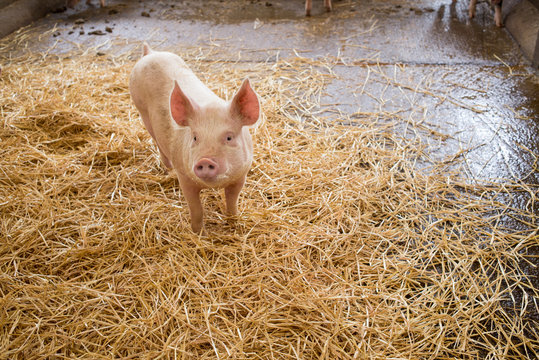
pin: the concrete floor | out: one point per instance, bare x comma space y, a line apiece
423, 61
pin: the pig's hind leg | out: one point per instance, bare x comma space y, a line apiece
327, 5
471, 8
165, 160
498, 13
148, 125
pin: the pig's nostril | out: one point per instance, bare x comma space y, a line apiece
206, 168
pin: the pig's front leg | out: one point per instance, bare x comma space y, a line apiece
327, 4
471, 8
191, 191
232, 192
498, 13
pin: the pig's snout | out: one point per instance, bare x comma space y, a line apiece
206, 169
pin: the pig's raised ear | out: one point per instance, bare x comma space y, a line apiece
146, 49
245, 104
181, 108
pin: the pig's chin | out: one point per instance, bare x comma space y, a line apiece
218, 181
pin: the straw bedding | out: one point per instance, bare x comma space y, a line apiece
343, 249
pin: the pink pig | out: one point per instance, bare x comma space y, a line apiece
309, 5
204, 138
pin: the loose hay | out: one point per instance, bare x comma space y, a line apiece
343, 248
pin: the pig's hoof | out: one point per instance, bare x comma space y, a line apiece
201, 232
198, 229
498, 19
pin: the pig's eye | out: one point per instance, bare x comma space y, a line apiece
194, 138
229, 138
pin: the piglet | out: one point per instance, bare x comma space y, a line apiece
309, 5
203, 137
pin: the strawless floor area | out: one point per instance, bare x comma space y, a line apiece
343, 248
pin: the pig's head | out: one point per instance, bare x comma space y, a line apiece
217, 147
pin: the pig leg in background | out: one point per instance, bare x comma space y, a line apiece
232, 192
471, 8
497, 11
191, 191
327, 4
308, 7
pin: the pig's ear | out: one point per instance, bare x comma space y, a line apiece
146, 49
245, 104
181, 107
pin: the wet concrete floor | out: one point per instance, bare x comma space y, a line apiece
422, 61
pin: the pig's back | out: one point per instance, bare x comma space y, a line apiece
155, 73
